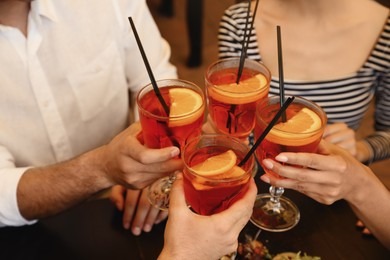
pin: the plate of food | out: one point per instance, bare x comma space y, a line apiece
253, 249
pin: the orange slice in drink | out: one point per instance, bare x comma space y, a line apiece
234, 172
246, 91
303, 128
216, 165
186, 106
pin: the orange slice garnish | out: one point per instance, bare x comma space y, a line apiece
303, 128
246, 91
216, 165
186, 106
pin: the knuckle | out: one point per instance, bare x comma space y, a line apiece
342, 164
300, 187
327, 201
302, 177
333, 194
143, 157
220, 228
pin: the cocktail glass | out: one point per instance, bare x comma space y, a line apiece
186, 103
300, 131
211, 185
232, 106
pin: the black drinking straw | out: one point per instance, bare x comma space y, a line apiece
245, 44
246, 40
267, 129
148, 68
280, 67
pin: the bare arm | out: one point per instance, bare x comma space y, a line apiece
48, 190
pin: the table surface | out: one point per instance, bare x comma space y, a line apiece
93, 231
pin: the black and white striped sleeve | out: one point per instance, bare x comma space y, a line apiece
231, 33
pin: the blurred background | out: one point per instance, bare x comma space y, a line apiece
182, 20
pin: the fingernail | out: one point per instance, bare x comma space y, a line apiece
136, 231
175, 152
126, 226
281, 158
147, 228
268, 164
265, 179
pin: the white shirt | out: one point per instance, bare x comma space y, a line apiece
64, 88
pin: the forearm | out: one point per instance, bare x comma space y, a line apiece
372, 206
46, 191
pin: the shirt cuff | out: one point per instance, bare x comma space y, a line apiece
9, 210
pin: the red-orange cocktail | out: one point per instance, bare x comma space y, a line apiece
301, 132
232, 106
186, 104
212, 179
186, 112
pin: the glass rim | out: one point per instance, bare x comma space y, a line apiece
251, 161
260, 107
267, 75
165, 84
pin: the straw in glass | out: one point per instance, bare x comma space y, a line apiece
245, 44
148, 68
246, 40
267, 129
280, 68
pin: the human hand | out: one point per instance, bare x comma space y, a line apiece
137, 211
341, 135
192, 236
127, 162
325, 177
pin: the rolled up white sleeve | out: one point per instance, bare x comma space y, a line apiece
9, 179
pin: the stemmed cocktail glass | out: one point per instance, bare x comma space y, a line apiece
186, 104
299, 131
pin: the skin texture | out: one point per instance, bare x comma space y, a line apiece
334, 174
192, 236
138, 214
49, 190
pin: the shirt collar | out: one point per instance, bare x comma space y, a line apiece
45, 8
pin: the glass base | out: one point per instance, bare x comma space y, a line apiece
274, 217
158, 192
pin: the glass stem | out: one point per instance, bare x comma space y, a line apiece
166, 188
276, 193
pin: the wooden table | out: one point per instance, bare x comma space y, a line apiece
94, 231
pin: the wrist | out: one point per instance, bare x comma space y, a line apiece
361, 186
95, 161
364, 154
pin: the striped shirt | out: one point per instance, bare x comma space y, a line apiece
344, 99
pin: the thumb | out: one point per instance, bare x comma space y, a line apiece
177, 198
240, 212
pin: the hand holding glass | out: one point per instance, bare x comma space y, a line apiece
212, 179
186, 112
300, 132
